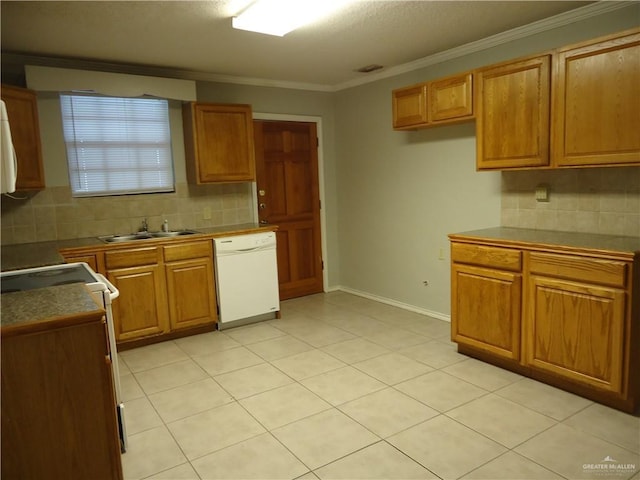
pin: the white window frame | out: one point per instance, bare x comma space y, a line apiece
117, 145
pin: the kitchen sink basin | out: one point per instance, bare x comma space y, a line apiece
144, 236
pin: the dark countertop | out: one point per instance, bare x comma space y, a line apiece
548, 238
46, 304
40, 254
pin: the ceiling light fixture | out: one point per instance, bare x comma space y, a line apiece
279, 17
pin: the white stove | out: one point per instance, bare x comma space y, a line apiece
103, 290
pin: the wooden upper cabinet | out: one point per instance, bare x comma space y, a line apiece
447, 100
410, 107
22, 110
451, 99
218, 143
512, 112
596, 115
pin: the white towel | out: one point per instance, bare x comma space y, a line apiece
8, 158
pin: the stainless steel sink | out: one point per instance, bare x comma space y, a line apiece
144, 236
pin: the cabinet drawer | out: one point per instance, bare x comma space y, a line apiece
590, 270
131, 258
185, 251
496, 257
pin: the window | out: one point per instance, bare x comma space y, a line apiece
117, 146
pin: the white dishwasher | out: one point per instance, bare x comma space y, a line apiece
246, 278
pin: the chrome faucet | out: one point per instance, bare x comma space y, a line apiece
145, 226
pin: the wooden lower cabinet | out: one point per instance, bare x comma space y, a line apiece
575, 330
141, 308
58, 401
486, 310
562, 318
190, 284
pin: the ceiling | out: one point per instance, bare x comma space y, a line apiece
196, 37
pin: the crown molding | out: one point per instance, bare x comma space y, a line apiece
517, 33
550, 23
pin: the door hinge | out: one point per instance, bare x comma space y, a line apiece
322, 264
320, 204
317, 142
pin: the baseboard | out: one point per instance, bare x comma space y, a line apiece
393, 303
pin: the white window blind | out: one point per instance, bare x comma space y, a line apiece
117, 146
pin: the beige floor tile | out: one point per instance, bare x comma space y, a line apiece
387, 412
436, 354
252, 380
355, 350
610, 425
446, 447
152, 356
395, 339
253, 333
342, 385
572, 453
378, 461
392, 368
130, 388
432, 328
140, 416
440, 390
206, 343
501, 420
122, 366
181, 472
279, 347
189, 399
545, 399
284, 405
214, 429
482, 374
311, 476
319, 334
169, 376
226, 361
358, 324
307, 364
260, 458
324, 438
150, 452
512, 466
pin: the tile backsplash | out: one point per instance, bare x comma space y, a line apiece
53, 214
593, 200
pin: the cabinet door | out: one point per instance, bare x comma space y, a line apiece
485, 310
141, 308
575, 330
22, 110
410, 107
450, 99
191, 288
597, 103
512, 114
58, 404
219, 143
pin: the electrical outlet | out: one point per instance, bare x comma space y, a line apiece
542, 193
206, 213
